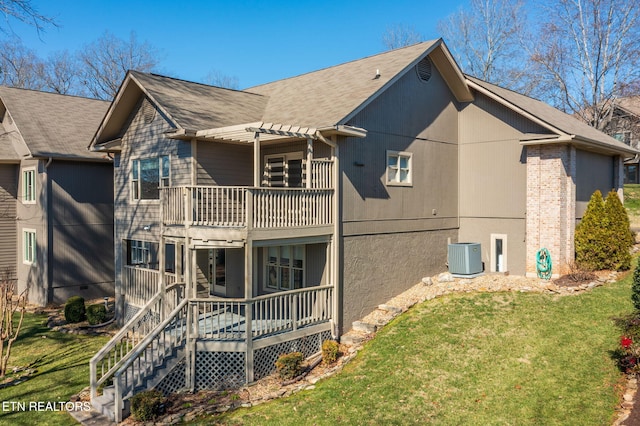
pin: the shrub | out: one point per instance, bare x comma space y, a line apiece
590, 233
290, 365
147, 405
330, 351
635, 288
74, 310
577, 274
603, 237
96, 314
621, 238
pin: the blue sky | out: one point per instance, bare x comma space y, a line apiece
255, 41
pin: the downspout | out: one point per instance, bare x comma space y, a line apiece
336, 270
48, 231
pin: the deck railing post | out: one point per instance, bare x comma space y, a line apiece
187, 205
293, 300
249, 340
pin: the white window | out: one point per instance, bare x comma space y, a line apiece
284, 170
285, 267
29, 246
148, 175
29, 186
139, 252
399, 168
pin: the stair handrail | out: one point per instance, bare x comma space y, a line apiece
119, 338
121, 388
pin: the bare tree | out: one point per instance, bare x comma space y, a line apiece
61, 74
400, 35
19, 66
587, 52
23, 11
217, 78
105, 62
11, 304
485, 39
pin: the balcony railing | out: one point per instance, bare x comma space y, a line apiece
240, 207
232, 319
254, 207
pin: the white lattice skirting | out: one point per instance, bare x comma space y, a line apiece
226, 370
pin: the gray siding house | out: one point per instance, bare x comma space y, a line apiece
56, 197
257, 222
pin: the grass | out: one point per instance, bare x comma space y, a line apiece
62, 364
632, 203
485, 358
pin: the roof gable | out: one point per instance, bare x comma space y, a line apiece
52, 125
333, 95
566, 127
187, 105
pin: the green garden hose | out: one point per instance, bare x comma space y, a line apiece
543, 264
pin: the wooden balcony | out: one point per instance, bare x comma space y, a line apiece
253, 208
247, 209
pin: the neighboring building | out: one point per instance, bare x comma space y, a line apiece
56, 198
269, 219
624, 126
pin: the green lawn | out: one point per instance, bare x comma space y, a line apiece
632, 203
475, 359
62, 364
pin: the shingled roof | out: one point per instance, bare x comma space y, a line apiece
323, 98
560, 123
199, 106
49, 124
327, 96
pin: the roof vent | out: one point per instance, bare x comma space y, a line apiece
148, 111
423, 69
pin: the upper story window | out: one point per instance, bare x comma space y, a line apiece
399, 168
284, 170
624, 137
148, 175
29, 186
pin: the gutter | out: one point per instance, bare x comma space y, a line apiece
343, 130
587, 143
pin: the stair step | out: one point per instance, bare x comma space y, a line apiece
105, 405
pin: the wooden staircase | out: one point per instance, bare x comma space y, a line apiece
144, 352
149, 377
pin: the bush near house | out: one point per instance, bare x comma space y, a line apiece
290, 365
603, 237
147, 405
74, 310
96, 314
330, 351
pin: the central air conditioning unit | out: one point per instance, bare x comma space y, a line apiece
465, 258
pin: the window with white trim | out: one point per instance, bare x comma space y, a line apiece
29, 246
285, 267
148, 175
143, 254
29, 186
399, 168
